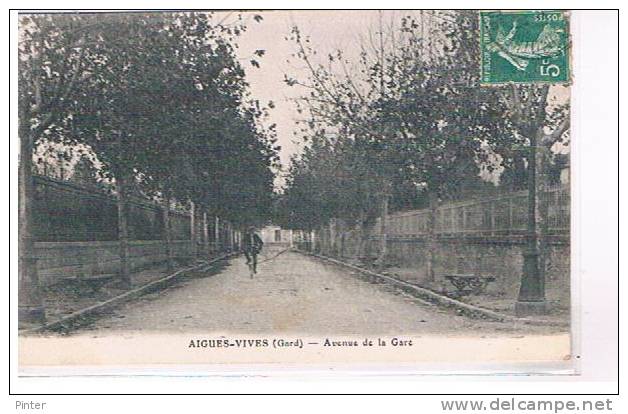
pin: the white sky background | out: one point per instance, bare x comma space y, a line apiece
329, 31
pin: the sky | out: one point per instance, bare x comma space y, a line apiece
329, 31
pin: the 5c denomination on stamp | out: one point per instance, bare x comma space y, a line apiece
524, 47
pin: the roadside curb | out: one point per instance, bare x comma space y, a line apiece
75, 317
441, 300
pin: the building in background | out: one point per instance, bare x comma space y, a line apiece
276, 236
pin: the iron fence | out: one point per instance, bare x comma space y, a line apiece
65, 211
505, 214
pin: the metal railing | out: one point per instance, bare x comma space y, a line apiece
498, 215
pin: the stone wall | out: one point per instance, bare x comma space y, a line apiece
59, 260
483, 236
499, 256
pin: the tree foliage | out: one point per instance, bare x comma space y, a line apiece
406, 120
160, 99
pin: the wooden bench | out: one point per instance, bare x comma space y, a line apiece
93, 282
469, 276
367, 260
469, 283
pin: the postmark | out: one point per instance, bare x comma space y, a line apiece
524, 47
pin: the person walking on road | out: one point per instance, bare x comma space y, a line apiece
252, 245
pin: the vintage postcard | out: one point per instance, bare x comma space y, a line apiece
214, 192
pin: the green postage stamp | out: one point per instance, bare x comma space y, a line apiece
524, 47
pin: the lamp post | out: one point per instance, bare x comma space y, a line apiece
531, 300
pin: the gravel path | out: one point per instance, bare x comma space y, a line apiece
291, 293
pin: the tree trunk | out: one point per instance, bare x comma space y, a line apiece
30, 304
199, 231
217, 234
431, 235
205, 235
233, 239
343, 237
192, 230
168, 234
542, 208
232, 232
123, 231
230, 236
360, 253
225, 234
332, 237
383, 229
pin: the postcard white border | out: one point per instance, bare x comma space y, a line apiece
593, 248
